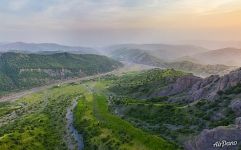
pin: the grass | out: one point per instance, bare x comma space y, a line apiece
23, 71
172, 120
119, 125
6, 108
103, 130
40, 121
37, 121
141, 84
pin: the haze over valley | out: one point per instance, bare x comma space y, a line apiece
120, 75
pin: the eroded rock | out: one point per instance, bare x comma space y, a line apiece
220, 138
238, 122
236, 106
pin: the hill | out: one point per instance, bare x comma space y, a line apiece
145, 57
214, 44
162, 51
176, 86
225, 56
183, 108
137, 56
20, 71
40, 47
200, 69
142, 84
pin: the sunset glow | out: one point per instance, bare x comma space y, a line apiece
87, 21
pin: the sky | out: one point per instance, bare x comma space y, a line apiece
107, 22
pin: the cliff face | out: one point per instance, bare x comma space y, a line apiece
209, 87
182, 84
236, 106
192, 88
216, 139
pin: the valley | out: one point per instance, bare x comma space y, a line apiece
137, 101
115, 111
120, 75
35, 119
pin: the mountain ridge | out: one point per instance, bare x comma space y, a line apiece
226, 56
141, 56
38, 47
20, 71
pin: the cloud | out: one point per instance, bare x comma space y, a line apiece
80, 17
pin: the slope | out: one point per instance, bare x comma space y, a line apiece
19, 71
42, 47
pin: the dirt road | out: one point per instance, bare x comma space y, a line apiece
127, 67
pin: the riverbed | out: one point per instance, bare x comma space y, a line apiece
74, 135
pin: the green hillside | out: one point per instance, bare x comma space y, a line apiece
19, 71
142, 83
104, 130
175, 121
114, 112
38, 122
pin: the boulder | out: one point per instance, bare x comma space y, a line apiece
236, 106
238, 122
220, 138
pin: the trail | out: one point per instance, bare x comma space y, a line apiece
72, 132
15, 96
126, 68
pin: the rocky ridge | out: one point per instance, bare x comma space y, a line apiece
195, 88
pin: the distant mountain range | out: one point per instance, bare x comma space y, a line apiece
162, 51
226, 56
214, 44
176, 59
42, 47
198, 60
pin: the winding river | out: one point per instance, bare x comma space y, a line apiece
78, 138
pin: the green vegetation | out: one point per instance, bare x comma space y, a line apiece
173, 121
170, 120
37, 121
110, 114
234, 90
20, 71
6, 108
144, 83
103, 130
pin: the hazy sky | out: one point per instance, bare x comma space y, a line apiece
103, 22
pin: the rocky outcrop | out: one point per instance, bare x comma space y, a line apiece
194, 88
208, 87
238, 122
236, 106
215, 139
182, 84
204, 88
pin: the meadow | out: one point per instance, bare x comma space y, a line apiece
103, 130
37, 121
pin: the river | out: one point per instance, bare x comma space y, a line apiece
78, 138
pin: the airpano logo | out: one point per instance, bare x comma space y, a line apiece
224, 143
